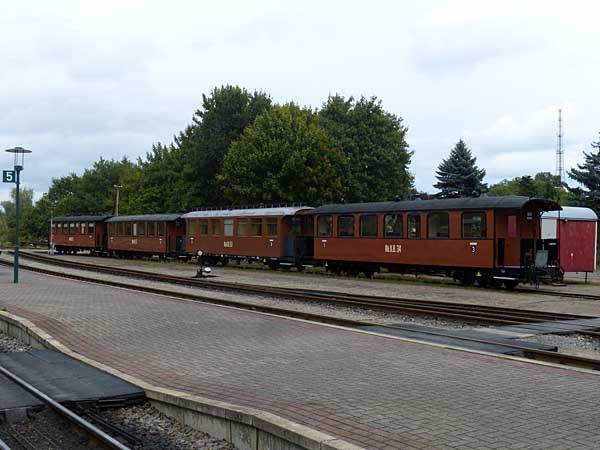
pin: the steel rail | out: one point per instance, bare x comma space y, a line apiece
65, 412
448, 309
3, 445
528, 352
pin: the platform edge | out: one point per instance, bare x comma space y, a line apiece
247, 428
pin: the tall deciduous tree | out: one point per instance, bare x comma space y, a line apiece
458, 176
203, 144
373, 142
588, 177
284, 156
93, 191
156, 185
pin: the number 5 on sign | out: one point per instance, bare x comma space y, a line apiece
8, 176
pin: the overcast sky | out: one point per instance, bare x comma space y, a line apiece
80, 80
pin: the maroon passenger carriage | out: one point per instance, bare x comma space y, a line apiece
279, 237
71, 234
493, 240
146, 235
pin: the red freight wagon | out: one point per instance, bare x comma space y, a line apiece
76, 233
576, 230
150, 234
492, 240
273, 235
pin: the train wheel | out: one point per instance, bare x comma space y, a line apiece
467, 279
510, 284
368, 273
300, 267
352, 271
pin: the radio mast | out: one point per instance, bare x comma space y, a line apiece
560, 167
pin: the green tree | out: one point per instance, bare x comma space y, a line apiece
458, 176
156, 185
26, 230
373, 142
225, 113
526, 186
285, 156
549, 186
588, 176
543, 185
93, 191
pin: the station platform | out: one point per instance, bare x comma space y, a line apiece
372, 391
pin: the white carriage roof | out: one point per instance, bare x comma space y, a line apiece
146, 218
572, 213
282, 211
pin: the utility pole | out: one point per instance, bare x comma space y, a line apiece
560, 167
116, 206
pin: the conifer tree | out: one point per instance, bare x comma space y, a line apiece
588, 176
458, 175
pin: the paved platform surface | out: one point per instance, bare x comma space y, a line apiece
373, 391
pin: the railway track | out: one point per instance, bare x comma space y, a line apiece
35, 439
463, 311
472, 312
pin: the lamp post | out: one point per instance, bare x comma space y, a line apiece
19, 153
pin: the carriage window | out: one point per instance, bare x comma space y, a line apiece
393, 225
111, 229
438, 226
474, 225
73, 229
242, 226
215, 225
256, 227
120, 229
414, 226
192, 230
272, 226
346, 226
134, 228
127, 228
91, 227
53, 228
368, 226
141, 229
151, 228
83, 227
227, 227
161, 228
59, 228
203, 228
296, 225
325, 225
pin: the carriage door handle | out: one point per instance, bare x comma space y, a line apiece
324, 243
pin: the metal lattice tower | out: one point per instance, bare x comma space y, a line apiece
560, 166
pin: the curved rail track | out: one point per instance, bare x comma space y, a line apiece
462, 311
95, 434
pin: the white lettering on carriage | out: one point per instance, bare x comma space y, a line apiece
393, 248
228, 244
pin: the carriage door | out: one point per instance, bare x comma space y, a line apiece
501, 244
179, 238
